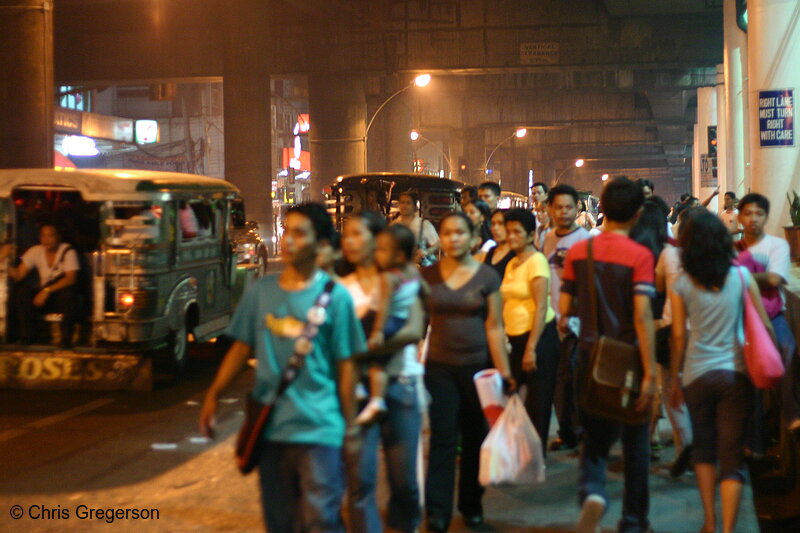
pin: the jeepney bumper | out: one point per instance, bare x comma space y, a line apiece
46, 367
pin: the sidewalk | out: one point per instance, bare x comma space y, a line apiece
207, 494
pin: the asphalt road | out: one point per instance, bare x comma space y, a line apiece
65, 453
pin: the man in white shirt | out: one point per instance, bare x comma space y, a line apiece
730, 215
57, 266
767, 257
562, 206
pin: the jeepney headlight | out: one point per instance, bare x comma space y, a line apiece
126, 299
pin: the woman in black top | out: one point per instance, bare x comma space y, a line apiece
478, 213
500, 254
466, 319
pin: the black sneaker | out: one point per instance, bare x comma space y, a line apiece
559, 444
681, 463
473, 520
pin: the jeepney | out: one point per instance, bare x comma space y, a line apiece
379, 191
148, 283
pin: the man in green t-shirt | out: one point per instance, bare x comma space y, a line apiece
300, 467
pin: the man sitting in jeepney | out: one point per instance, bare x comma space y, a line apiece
57, 265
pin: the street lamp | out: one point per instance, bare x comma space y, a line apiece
415, 135
604, 177
420, 81
519, 133
578, 164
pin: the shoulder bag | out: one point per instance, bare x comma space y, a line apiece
249, 441
612, 380
761, 357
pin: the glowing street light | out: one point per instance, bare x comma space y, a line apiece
519, 133
420, 81
578, 164
414, 135
604, 177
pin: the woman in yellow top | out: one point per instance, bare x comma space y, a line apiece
530, 320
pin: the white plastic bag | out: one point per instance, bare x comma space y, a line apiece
511, 454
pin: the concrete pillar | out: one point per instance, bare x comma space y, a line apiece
26, 84
398, 127
246, 109
773, 45
337, 106
722, 134
706, 116
737, 141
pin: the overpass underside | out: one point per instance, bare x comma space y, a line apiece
611, 82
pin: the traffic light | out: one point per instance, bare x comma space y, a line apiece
462, 168
712, 149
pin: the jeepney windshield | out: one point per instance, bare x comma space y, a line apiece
132, 223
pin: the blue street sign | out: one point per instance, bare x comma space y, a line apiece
776, 117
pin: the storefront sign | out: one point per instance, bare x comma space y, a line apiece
107, 127
67, 120
776, 117
146, 131
545, 53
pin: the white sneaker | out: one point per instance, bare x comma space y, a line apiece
374, 409
592, 511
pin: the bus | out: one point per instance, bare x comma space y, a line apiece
146, 286
510, 199
379, 191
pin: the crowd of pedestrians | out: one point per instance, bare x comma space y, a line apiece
508, 289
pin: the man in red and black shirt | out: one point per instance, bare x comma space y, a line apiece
624, 281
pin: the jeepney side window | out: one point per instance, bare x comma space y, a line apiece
129, 222
207, 219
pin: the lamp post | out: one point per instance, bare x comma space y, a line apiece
420, 81
415, 135
519, 133
578, 164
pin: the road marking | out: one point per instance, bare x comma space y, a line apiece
54, 419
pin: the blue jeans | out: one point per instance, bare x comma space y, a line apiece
399, 432
787, 346
302, 486
598, 437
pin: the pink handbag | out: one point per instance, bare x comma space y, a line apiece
762, 358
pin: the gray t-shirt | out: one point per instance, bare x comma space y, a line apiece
555, 249
715, 319
458, 331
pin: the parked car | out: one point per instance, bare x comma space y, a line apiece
250, 247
